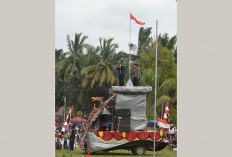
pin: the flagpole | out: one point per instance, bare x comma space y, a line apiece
156, 49
129, 47
64, 108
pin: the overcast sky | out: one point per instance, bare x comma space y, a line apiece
110, 19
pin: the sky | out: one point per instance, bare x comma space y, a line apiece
111, 19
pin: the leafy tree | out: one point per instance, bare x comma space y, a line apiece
144, 38
102, 71
166, 42
71, 64
166, 81
59, 84
59, 55
85, 71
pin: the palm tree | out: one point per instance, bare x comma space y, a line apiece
166, 42
144, 38
71, 63
166, 92
59, 55
102, 71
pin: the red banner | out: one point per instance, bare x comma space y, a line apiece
128, 136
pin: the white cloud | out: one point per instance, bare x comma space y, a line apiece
110, 18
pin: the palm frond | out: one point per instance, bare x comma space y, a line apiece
162, 100
95, 78
87, 79
103, 77
166, 86
88, 69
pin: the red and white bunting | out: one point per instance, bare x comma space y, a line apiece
162, 123
166, 112
66, 120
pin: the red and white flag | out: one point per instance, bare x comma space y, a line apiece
66, 120
162, 123
166, 112
138, 22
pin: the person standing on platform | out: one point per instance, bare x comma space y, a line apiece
135, 75
121, 73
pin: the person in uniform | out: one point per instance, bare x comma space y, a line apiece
135, 75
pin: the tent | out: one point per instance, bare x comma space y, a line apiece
78, 119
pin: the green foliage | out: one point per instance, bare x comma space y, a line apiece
102, 71
173, 115
166, 74
144, 38
85, 71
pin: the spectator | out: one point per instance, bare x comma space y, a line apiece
66, 136
72, 137
58, 143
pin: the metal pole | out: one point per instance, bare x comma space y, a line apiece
64, 108
129, 47
156, 49
161, 115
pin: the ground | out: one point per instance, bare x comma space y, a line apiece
117, 153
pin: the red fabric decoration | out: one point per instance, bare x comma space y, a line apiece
130, 136
107, 136
143, 135
138, 22
117, 135
97, 133
151, 135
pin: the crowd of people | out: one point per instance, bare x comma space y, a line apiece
171, 136
69, 138
135, 74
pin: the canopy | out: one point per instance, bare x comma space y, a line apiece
150, 123
78, 119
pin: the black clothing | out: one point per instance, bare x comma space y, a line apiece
135, 81
121, 80
121, 70
65, 145
72, 138
121, 75
71, 144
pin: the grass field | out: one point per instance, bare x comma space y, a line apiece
117, 153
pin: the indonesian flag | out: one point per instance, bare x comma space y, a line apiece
162, 123
138, 22
166, 111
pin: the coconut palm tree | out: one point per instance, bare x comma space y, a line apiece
71, 63
166, 42
144, 38
102, 71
